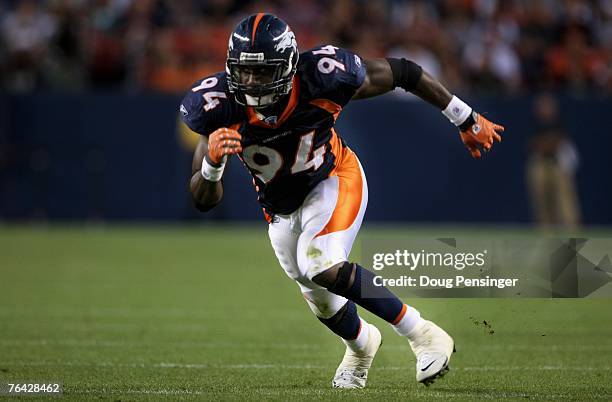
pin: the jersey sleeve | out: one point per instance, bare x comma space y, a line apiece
206, 107
334, 73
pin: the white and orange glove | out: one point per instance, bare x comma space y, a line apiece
221, 143
476, 131
479, 132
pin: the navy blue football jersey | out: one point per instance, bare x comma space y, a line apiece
288, 154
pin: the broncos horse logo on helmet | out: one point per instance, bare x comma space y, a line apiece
262, 59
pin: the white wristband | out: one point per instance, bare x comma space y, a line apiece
457, 111
212, 173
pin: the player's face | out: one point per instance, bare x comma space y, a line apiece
258, 84
253, 76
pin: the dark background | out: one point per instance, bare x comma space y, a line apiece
90, 91
68, 159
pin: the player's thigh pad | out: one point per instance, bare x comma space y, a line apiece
331, 217
284, 239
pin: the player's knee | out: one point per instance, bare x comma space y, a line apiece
323, 303
337, 279
338, 316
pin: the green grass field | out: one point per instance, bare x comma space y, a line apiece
124, 313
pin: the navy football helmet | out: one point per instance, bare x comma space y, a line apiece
262, 59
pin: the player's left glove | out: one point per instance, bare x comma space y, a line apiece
477, 132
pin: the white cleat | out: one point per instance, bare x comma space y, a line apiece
353, 370
433, 348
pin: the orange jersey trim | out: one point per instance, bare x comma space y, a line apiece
327, 105
255, 24
337, 150
350, 190
291, 105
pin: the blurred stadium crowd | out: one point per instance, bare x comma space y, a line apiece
164, 45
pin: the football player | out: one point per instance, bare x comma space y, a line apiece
275, 109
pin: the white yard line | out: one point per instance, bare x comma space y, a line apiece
21, 312
313, 393
279, 345
272, 366
182, 344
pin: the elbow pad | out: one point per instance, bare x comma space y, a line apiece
406, 74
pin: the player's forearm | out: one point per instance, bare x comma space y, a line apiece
208, 166
412, 78
205, 194
431, 90
384, 75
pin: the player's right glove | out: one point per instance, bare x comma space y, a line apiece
223, 142
477, 132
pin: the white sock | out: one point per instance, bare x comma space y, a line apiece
358, 344
408, 322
